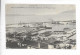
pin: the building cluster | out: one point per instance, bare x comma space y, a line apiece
42, 35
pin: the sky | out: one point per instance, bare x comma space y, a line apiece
25, 13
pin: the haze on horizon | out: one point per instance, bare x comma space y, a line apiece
25, 13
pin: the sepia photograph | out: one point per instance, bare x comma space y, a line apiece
40, 26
